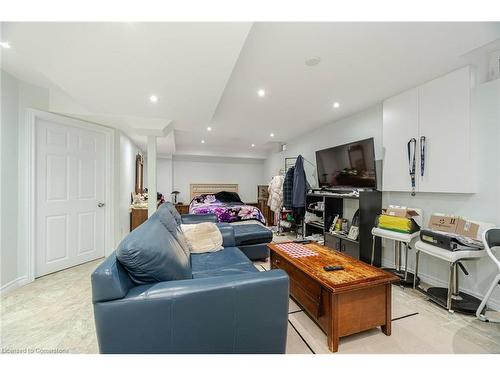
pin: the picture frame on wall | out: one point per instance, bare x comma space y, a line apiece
262, 192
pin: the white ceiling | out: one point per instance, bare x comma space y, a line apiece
111, 69
208, 74
361, 64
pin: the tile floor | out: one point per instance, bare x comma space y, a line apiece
55, 312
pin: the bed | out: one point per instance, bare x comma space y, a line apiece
223, 201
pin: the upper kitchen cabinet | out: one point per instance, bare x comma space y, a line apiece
437, 115
444, 121
400, 119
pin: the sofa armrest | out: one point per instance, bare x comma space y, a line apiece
245, 313
196, 219
110, 280
227, 232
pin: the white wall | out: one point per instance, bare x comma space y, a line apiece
10, 99
127, 152
362, 125
17, 97
483, 206
186, 170
164, 177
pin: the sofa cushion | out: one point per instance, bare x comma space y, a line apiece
229, 256
202, 237
168, 220
150, 254
176, 215
227, 270
250, 234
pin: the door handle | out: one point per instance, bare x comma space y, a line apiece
100, 204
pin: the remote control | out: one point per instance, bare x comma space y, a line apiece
333, 268
304, 242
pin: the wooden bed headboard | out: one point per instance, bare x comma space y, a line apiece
198, 189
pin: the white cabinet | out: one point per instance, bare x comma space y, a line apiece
439, 111
444, 108
400, 119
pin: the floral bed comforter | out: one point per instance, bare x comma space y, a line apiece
226, 212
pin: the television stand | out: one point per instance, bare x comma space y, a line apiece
344, 204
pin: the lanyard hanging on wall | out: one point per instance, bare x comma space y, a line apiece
422, 155
412, 146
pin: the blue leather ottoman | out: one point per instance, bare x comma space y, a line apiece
252, 239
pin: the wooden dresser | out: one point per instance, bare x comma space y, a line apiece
182, 208
137, 217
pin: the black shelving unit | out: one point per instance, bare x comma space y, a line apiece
370, 205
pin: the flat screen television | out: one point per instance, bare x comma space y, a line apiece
347, 166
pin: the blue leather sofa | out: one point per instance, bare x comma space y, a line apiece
212, 303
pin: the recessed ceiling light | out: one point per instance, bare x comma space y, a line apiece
202, 141
153, 99
253, 145
336, 105
313, 60
271, 135
5, 45
209, 129
261, 93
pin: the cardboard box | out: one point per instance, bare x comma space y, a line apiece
467, 228
443, 223
454, 224
400, 212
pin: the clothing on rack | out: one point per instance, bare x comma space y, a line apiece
275, 189
288, 188
299, 189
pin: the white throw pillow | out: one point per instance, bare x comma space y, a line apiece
203, 237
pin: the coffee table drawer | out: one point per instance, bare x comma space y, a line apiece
310, 304
298, 278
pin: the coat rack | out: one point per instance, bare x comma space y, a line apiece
289, 163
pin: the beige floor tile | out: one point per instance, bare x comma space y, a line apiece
294, 344
262, 265
55, 312
401, 304
313, 335
428, 332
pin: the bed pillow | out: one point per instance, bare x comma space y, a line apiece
202, 237
228, 197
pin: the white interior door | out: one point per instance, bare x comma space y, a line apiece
70, 196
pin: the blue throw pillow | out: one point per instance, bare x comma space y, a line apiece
152, 254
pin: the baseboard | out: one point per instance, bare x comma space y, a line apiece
14, 284
434, 281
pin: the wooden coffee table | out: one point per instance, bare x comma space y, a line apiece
343, 302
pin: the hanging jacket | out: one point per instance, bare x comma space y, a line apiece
300, 187
288, 188
275, 189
